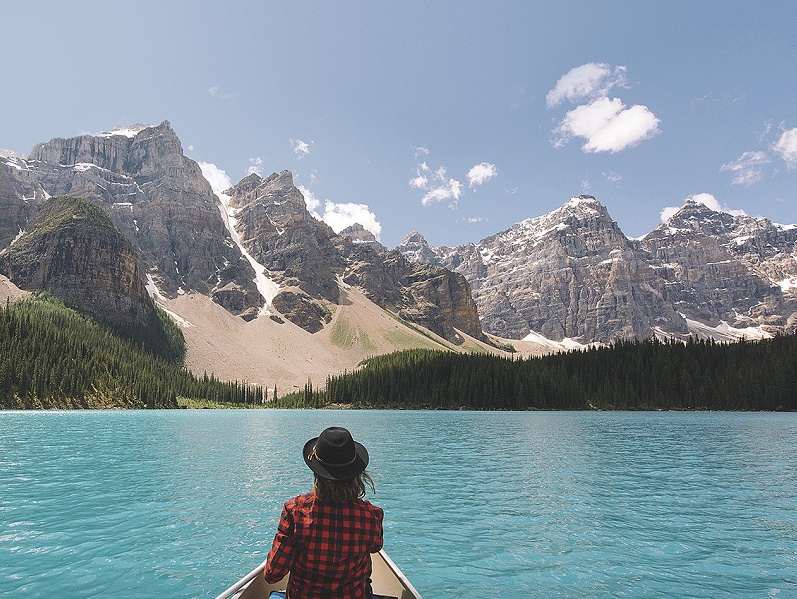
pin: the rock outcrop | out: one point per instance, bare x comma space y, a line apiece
74, 251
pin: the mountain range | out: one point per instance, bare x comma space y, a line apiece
267, 293
573, 277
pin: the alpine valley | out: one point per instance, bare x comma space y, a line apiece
266, 293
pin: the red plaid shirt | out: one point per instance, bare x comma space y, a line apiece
326, 546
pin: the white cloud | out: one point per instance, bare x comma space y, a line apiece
481, 173
215, 91
340, 216
747, 168
786, 147
587, 82
707, 200
218, 179
450, 190
668, 213
612, 177
607, 125
301, 148
419, 182
310, 201
421, 179
420, 150
254, 165
438, 186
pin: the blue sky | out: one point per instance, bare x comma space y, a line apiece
457, 119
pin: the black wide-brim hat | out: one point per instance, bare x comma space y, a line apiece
335, 455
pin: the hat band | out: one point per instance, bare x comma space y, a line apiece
328, 464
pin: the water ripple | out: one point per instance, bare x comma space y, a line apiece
179, 504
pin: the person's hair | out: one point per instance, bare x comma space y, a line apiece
343, 490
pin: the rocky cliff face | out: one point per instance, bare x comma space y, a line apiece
719, 267
155, 195
308, 262
573, 274
425, 294
74, 251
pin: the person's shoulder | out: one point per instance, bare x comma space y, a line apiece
370, 507
300, 500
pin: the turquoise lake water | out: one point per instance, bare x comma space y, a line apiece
477, 504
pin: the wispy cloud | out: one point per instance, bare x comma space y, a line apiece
606, 124
786, 147
420, 151
750, 167
215, 91
301, 148
255, 165
747, 169
612, 177
218, 179
481, 173
587, 82
439, 187
342, 215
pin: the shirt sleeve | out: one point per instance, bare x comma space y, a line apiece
281, 556
377, 542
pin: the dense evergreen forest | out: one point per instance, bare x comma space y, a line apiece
51, 356
627, 375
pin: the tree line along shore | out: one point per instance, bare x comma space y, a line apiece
51, 356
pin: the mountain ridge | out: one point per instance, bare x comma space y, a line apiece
571, 274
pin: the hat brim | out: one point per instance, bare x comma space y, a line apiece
344, 473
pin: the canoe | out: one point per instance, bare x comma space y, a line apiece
386, 579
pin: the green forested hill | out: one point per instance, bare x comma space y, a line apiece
628, 375
52, 356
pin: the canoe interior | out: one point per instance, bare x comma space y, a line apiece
386, 579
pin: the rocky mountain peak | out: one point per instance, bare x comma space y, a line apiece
276, 195
360, 235
416, 249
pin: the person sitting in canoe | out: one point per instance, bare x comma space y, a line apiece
325, 537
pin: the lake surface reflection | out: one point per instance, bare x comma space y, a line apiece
532, 504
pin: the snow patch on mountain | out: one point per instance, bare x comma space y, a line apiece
563, 345
129, 131
220, 182
725, 332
